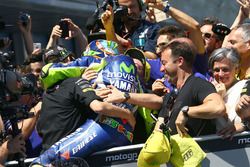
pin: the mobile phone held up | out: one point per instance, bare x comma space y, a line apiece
64, 26
24, 18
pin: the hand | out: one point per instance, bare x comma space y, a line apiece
158, 4
220, 88
131, 120
243, 107
56, 32
16, 145
89, 74
23, 28
159, 88
116, 96
108, 17
244, 8
150, 15
103, 92
74, 30
230, 130
180, 123
37, 108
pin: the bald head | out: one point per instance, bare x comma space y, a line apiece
183, 47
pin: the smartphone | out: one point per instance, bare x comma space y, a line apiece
64, 26
24, 18
37, 46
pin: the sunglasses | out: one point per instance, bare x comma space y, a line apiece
161, 44
207, 35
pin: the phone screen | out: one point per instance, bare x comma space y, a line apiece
37, 46
64, 26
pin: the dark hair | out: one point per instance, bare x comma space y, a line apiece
172, 30
38, 57
211, 20
183, 49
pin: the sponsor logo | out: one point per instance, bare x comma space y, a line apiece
244, 141
66, 138
121, 75
120, 128
83, 143
123, 85
125, 68
119, 157
188, 154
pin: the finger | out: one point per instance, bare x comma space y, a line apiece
240, 2
179, 131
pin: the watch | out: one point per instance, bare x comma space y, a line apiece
245, 124
185, 110
127, 96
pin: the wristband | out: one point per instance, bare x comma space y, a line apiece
127, 96
166, 9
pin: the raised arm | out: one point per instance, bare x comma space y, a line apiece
27, 35
185, 20
243, 14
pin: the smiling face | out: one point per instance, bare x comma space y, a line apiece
224, 71
236, 41
209, 38
169, 66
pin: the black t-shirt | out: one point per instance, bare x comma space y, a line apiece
193, 92
64, 109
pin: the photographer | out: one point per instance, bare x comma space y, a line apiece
67, 26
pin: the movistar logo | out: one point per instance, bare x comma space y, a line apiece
124, 67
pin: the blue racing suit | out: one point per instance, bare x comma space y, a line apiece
103, 133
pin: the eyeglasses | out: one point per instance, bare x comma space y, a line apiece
161, 44
207, 35
224, 70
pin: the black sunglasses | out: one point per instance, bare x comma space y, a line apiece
161, 44
207, 35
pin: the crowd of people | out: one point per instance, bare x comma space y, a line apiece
106, 96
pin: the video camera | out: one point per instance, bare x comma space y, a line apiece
94, 23
6, 60
12, 85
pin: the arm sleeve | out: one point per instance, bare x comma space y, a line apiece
84, 93
203, 89
151, 38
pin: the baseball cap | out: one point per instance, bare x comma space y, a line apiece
186, 151
221, 30
136, 54
57, 54
156, 151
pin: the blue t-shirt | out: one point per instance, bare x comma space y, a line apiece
145, 36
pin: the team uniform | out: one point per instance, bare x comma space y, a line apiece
92, 135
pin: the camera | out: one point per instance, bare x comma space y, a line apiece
7, 59
94, 23
64, 26
24, 18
